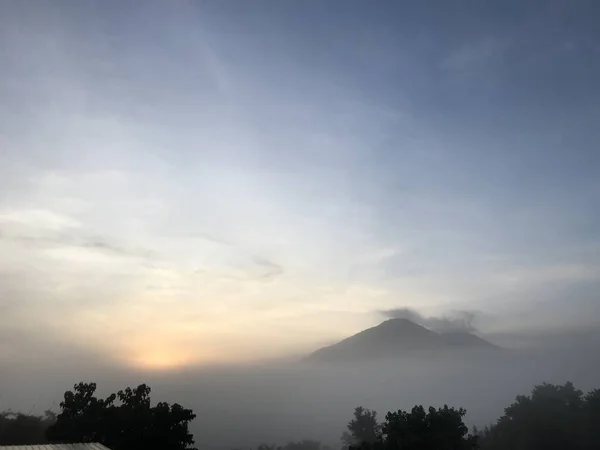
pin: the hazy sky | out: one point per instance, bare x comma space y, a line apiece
199, 182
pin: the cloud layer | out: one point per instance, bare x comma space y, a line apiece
462, 321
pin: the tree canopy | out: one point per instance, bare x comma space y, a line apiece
552, 417
431, 429
418, 429
24, 429
362, 428
122, 421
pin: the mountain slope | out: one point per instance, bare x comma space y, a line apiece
466, 340
395, 338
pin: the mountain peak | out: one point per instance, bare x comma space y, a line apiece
398, 321
394, 338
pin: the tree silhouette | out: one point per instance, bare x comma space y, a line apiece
131, 425
592, 419
553, 417
24, 429
434, 429
363, 428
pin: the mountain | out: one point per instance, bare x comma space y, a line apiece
463, 339
396, 338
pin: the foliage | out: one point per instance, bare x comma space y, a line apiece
131, 425
591, 413
24, 429
434, 429
553, 417
363, 428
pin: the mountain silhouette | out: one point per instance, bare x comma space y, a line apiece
396, 338
463, 339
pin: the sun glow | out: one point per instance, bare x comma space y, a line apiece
166, 354
162, 359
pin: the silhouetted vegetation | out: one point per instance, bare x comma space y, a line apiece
419, 429
552, 417
24, 429
363, 428
131, 425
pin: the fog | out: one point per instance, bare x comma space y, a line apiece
275, 402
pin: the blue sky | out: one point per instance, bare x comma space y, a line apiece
221, 181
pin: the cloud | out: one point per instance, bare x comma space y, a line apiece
45, 228
38, 218
58, 239
454, 321
268, 269
111, 247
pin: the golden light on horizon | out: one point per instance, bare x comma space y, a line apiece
164, 352
162, 359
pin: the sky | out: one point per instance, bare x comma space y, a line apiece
200, 183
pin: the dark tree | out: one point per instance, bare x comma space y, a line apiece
132, 424
363, 428
24, 429
553, 417
434, 429
592, 419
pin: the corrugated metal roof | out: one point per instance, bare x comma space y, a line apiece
87, 446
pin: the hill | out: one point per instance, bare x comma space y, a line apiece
396, 338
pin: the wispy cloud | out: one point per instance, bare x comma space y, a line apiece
453, 321
268, 268
42, 228
38, 218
